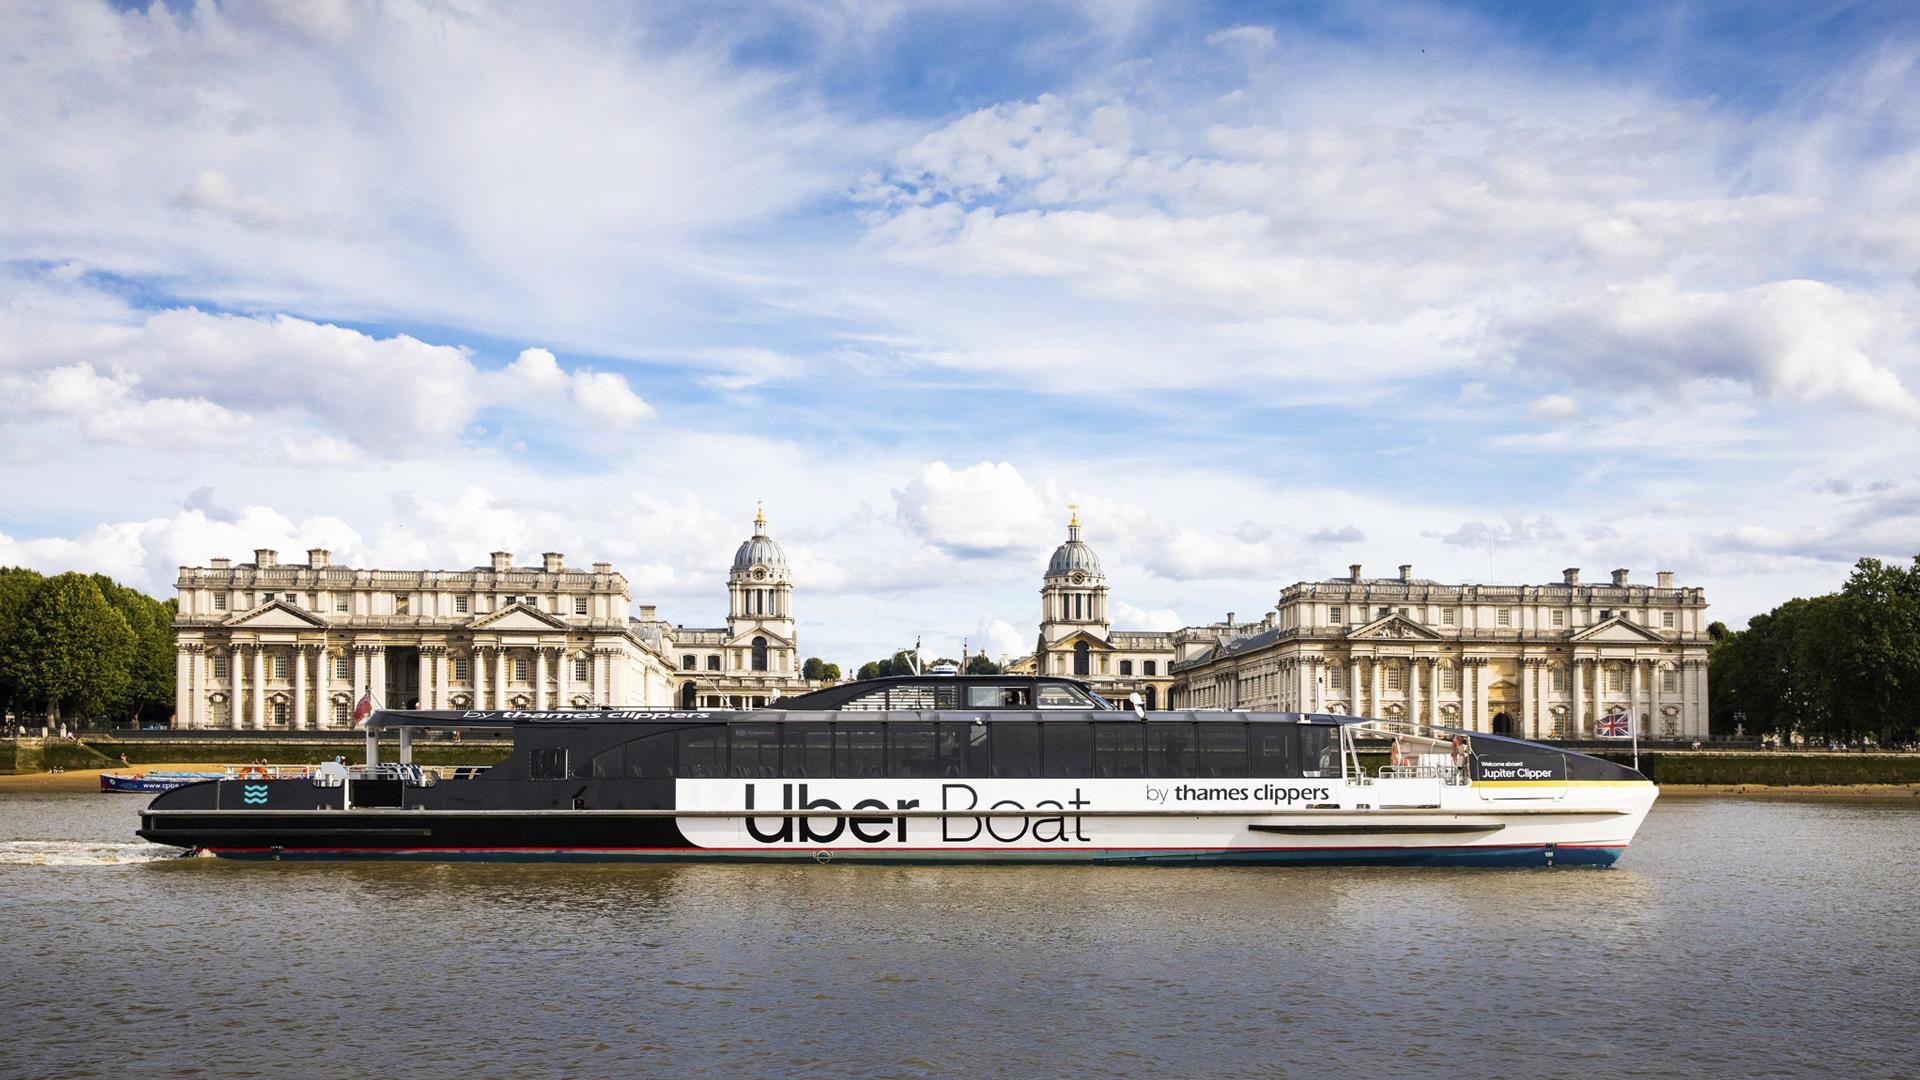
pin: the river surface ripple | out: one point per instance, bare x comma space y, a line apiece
1736, 938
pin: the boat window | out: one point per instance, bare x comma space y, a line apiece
702, 753
1066, 748
1170, 749
1119, 751
756, 751
547, 763
651, 756
912, 751
924, 696
860, 750
806, 749
1319, 750
1016, 749
1222, 749
999, 697
1270, 746
1060, 696
608, 763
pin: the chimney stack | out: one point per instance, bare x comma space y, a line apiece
603, 568
1620, 577
502, 560
265, 558
1229, 618
1571, 575
1666, 579
551, 562
647, 613
220, 564
319, 558
1353, 573
1406, 571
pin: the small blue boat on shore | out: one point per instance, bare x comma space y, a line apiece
157, 781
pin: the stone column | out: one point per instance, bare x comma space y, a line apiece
426, 678
600, 694
564, 677
540, 678
1633, 698
299, 688
1529, 702
477, 663
1656, 723
439, 677
197, 695
1577, 727
236, 674
322, 696
1353, 686
501, 676
1480, 722
377, 677
259, 688
182, 687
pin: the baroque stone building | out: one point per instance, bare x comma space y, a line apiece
1537, 661
272, 645
1077, 636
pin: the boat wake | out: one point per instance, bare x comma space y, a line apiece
80, 853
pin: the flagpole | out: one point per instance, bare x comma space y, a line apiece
1633, 725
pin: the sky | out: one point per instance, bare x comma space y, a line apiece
1264, 289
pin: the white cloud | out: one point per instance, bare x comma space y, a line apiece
1801, 341
1554, 407
1128, 617
602, 396
1258, 38
984, 509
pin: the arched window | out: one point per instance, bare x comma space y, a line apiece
1149, 696
1126, 667
759, 654
1149, 667
687, 691
1082, 664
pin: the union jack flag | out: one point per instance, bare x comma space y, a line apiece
1615, 726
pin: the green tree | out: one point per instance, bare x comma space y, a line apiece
868, 670
17, 586
1841, 666
900, 663
73, 652
812, 669
979, 664
150, 673
830, 672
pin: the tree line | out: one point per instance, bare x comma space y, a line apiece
904, 662
83, 647
1840, 667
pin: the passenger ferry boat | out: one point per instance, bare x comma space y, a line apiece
935, 769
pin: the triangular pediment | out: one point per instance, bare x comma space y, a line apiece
277, 615
1617, 629
1094, 643
518, 617
774, 641
1392, 627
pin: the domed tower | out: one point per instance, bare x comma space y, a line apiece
1073, 594
760, 587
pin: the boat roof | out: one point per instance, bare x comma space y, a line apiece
833, 697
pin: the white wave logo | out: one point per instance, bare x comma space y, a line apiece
79, 853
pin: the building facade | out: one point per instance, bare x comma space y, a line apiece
1535, 661
271, 645
1077, 638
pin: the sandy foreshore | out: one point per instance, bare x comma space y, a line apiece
86, 779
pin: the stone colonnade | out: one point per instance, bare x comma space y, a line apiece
310, 695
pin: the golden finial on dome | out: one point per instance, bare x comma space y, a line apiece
1074, 508
759, 511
